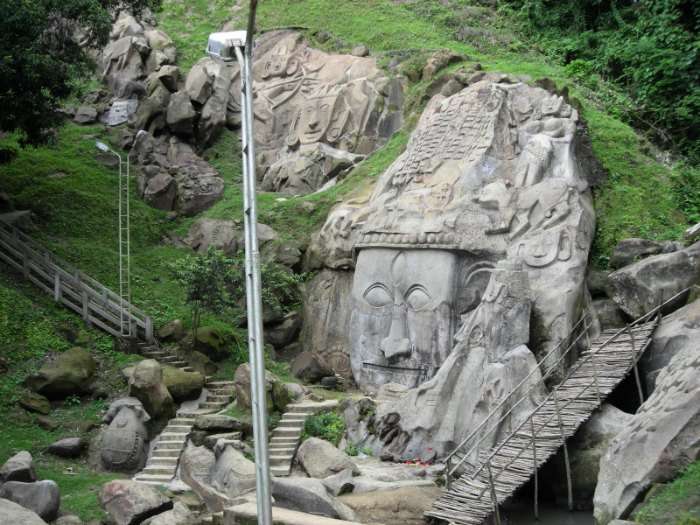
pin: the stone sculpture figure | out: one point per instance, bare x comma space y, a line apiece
469, 260
124, 445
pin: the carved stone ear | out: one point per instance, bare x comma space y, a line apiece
337, 126
292, 67
293, 134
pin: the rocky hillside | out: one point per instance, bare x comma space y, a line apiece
382, 126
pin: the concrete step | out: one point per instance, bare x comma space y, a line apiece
165, 471
169, 358
290, 424
178, 364
177, 428
286, 432
289, 451
182, 421
162, 462
280, 472
219, 384
170, 445
165, 453
213, 406
282, 439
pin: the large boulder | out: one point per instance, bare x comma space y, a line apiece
18, 468
310, 367
662, 439
212, 343
71, 373
677, 332
285, 332
241, 383
196, 466
182, 385
160, 191
321, 459
640, 287
310, 496
41, 497
217, 423
13, 514
233, 474
181, 115
629, 251
179, 515
608, 313
402, 506
130, 502
71, 447
146, 385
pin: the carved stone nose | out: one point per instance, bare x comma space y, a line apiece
396, 344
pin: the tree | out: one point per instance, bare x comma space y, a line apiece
41, 56
207, 279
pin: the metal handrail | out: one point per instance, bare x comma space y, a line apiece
523, 382
627, 329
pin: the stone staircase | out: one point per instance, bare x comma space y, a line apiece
163, 460
163, 356
285, 438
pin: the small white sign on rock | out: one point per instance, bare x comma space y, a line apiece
120, 111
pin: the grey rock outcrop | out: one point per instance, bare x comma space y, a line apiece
130, 502
146, 384
181, 115
402, 506
310, 496
662, 438
41, 497
677, 332
232, 474
332, 108
629, 251
182, 385
67, 447
179, 515
642, 286
19, 467
124, 443
320, 459
71, 373
310, 368
196, 466
13, 514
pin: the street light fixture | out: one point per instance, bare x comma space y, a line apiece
229, 46
124, 235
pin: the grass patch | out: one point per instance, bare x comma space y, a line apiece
328, 425
678, 503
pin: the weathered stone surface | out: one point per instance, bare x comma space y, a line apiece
13, 514
284, 333
677, 332
629, 251
200, 81
124, 444
182, 385
321, 459
217, 423
662, 438
169, 76
221, 234
196, 465
85, 115
33, 402
147, 385
18, 468
332, 105
68, 447
233, 474
181, 115
211, 342
68, 519
340, 483
597, 283
200, 362
41, 497
403, 506
308, 495
130, 503
585, 450
70, 373
120, 111
608, 313
179, 515
172, 331
310, 368
692, 234
152, 111
241, 382
640, 287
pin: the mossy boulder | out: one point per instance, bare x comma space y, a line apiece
182, 385
211, 342
33, 402
200, 362
71, 373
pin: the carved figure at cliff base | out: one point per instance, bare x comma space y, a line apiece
124, 445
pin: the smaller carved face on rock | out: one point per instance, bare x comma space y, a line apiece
321, 119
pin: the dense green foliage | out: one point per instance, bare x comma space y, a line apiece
651, 48
328, 425
41, 57
678, 503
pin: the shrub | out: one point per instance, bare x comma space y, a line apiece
326, 425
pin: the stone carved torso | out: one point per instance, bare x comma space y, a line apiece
124, 443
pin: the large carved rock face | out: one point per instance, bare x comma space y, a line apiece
312, 109
490, 174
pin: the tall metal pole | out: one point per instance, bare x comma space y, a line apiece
253, 281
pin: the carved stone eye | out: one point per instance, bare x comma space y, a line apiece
417, 298
377, 295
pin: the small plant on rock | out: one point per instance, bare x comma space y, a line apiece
326, 425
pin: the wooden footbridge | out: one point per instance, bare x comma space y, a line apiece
481, 475
95, 303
